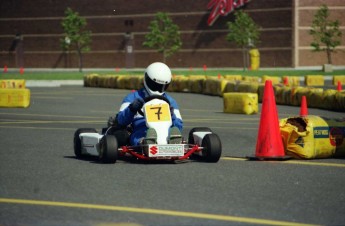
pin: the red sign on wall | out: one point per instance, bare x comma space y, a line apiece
222, 8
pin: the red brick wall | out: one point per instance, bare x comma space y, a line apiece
39, 23
304, 55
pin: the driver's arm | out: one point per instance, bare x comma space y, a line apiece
177, 121
125, 115
129, 109
176, 115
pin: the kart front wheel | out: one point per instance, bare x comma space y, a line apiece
77, 141
196, 129
212, 148
108, 149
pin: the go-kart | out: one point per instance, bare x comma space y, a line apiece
113, 143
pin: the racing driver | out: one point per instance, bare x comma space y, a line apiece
157, 78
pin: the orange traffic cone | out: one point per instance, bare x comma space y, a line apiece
304, 109
269, 145
21, 70
339, 86
5, 69
286, 81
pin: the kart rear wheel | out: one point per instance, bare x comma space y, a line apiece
77, 141
212, 148
108, 149
196, 129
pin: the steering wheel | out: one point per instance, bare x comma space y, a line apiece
149, 98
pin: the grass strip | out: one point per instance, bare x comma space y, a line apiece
72, 75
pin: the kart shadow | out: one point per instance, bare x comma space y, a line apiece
131, 160
92, 159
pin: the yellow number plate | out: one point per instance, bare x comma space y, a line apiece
157, 113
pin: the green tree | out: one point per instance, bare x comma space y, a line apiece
245, 33
76, 36
325, 32
164, 36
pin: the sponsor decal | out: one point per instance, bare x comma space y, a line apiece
336, 136
166, 150
300, 141
222, 8
321, 132
153, 150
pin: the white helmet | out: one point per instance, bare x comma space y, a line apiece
157, 78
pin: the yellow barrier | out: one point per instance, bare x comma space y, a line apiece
228, 86
254, 59
196, 83
91, 80
213, 86
241, 103
14, 97
179, 84
251, 78
233, 77
297, 93
112, 83
136, 82
122, 81
313, 137
281, 94
340, 101
314, 80
247, 87
291, 80
196, 76
275, 80
328, 99
103, 81
339, 78
315, 97
12, 83
261, 90
109, 81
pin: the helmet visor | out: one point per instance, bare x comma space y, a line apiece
154, 86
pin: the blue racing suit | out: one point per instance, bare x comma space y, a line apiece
126, 117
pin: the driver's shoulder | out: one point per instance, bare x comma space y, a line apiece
134, 95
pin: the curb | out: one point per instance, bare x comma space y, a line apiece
53, 83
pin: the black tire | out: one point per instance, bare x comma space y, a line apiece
122, 136
77, 141
212, 148
197, 129
108, 149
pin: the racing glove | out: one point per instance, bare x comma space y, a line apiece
111, 121
136, 105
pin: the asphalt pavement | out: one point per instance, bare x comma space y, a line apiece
42, 183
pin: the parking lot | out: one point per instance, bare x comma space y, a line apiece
42, 183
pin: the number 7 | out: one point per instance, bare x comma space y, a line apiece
158, 113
